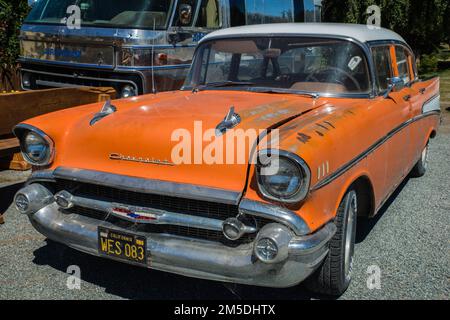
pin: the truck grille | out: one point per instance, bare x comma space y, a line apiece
173, 204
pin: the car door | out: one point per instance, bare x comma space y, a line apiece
397, 118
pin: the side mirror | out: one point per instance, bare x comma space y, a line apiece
395, 84
185, 14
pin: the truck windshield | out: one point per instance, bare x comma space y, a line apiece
104, 13
284, 64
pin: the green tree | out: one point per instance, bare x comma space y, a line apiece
423, 24
12, 13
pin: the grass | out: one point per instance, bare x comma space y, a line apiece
445, 88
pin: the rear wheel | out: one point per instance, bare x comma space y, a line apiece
334, 275
421, 166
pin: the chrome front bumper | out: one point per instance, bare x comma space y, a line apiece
194, 257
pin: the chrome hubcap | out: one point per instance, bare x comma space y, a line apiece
352, 208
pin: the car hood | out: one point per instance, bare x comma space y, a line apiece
139, 138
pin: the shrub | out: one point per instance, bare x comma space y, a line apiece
428, 64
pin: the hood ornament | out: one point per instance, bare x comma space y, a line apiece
107, 109
231, 120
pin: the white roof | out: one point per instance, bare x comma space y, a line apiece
359, 32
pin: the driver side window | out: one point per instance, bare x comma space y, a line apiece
382, 63
403, 64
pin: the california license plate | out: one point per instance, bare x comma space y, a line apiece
122, 245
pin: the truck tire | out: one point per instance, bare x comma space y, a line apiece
421, 166
334, 275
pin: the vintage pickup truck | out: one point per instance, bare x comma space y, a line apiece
341, 118
134, 46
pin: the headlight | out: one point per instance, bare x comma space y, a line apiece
37, 147
283, 176
127, 92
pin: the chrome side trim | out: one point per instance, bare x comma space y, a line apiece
343, 169
142, 185
276, 213
26, 127
433, 104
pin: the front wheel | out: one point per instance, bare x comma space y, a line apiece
421, 166
334, 275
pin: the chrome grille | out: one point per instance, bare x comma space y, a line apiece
174, 204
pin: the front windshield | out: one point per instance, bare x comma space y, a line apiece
105, 13
281, 63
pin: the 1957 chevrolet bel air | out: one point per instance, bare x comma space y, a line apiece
340, 117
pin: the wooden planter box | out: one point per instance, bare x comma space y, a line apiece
19, 106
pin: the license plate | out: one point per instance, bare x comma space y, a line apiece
122, 245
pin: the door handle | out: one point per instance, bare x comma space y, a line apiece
407, 97
422, 90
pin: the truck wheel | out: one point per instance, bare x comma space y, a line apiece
334, 275
421, 166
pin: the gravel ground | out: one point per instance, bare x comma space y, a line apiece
408, 241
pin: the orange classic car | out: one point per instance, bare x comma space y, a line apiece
254, 172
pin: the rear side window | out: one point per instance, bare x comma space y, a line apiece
382, 63
402, 56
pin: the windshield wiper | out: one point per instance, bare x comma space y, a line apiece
279, 90
223, 84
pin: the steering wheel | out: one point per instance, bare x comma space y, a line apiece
339, 71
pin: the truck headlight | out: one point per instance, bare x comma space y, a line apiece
282, 176
127, 91
37, 148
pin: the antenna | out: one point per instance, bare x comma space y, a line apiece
153, 57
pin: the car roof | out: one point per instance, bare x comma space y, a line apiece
362, 33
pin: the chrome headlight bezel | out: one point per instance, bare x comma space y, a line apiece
295, 160
21, 131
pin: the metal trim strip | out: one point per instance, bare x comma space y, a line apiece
143, 185
343, 169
